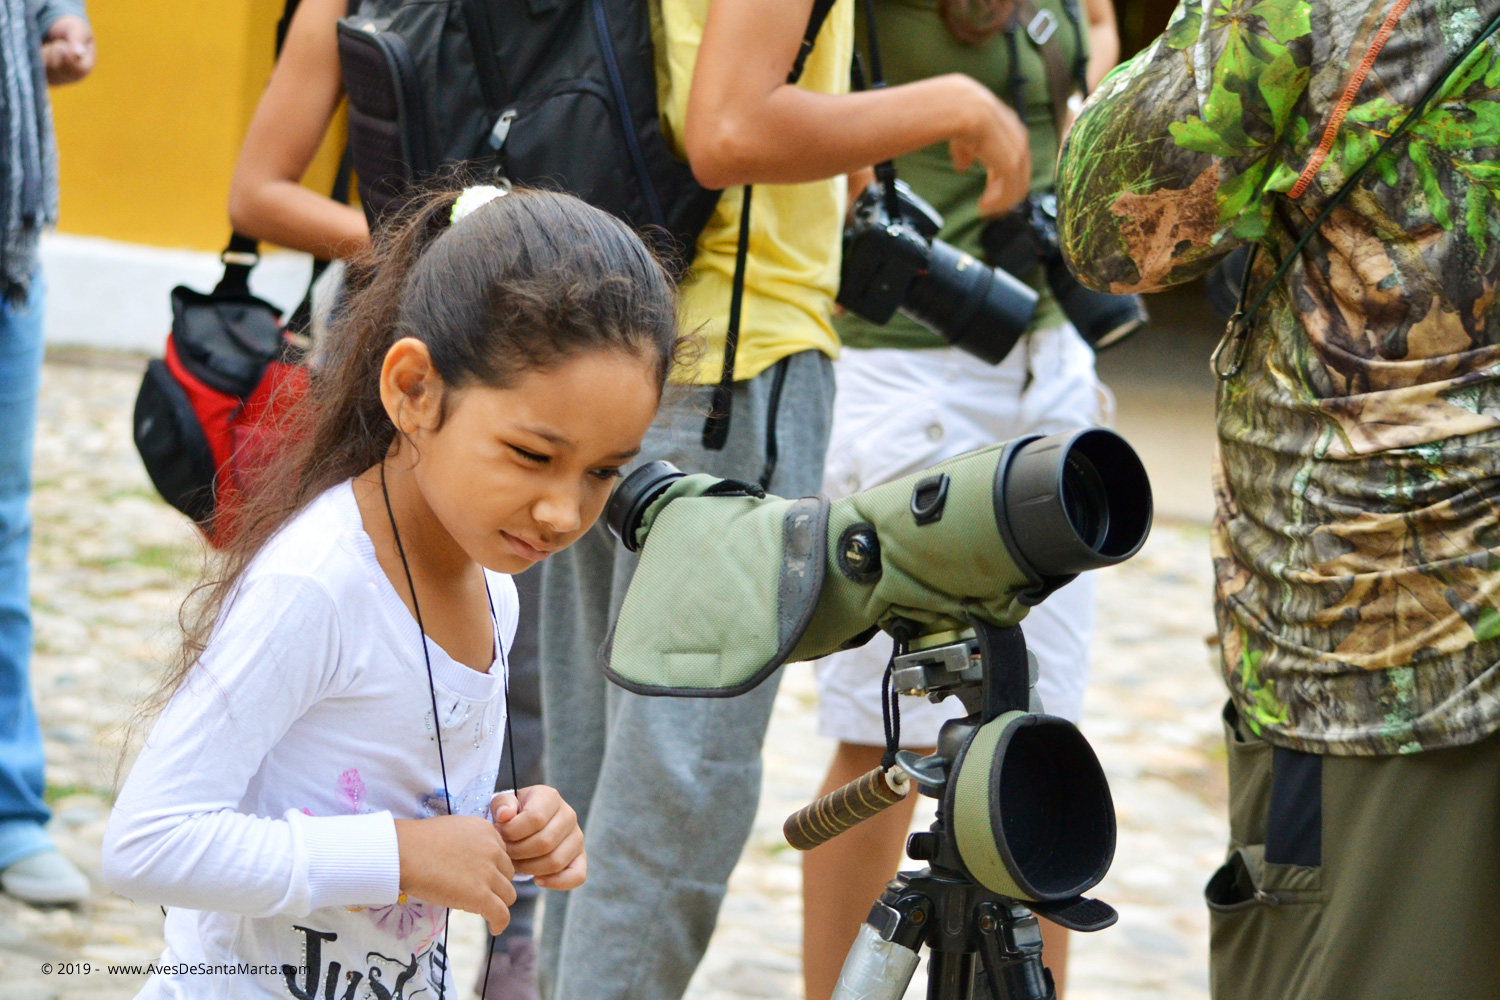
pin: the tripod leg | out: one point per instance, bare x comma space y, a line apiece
1010, 945
876, 969
950, 975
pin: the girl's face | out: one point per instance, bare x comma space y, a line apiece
516, 474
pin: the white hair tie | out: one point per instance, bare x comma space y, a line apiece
472, 199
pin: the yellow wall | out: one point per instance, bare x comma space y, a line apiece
148, 141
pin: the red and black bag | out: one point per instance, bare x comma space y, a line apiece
208, 414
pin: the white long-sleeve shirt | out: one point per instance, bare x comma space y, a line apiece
262, 807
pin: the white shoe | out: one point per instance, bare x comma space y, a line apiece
47, 877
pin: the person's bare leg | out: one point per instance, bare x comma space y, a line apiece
841, 879
1055, 952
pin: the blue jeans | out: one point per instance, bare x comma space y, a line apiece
22, 811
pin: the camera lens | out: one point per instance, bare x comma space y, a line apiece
1072, 502
630, 500
1101, 319
970, 304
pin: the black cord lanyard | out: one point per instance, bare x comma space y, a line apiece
716, 426
437, 725
1237, 334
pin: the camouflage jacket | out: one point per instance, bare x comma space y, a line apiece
1357, 535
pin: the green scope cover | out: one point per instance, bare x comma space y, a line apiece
731, 587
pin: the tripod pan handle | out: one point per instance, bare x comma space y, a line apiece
843, 807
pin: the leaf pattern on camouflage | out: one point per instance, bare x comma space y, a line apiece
1357, 535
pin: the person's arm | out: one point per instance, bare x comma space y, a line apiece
1164, 174
746, 125
1104, 40
175, 835
266, 198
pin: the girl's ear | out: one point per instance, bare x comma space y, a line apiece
410, 387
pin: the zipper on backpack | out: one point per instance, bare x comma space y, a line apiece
627, 120
501, 131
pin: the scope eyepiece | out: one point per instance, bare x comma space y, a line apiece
1073, 502
627, 505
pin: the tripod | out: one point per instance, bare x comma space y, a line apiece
982, 945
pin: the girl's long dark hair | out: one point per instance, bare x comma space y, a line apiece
521, 284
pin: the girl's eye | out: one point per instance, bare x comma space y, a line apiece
606, 474
531, 456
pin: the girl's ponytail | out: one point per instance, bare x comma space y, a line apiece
351, 429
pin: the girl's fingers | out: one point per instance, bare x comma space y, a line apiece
540, 808
505, 889
556, 860
544, 841
504, 807
571, 877
496, 913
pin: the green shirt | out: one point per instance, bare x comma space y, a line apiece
1357, 533
915, 45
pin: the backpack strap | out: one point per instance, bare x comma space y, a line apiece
239, 257
716, 427
242, 252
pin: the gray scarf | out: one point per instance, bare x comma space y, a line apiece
28, 151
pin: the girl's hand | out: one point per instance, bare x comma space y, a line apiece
459, 862
543, 837
996, 138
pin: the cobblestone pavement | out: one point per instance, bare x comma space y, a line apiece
111, 563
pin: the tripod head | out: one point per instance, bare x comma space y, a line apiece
1025, 807
1025, 825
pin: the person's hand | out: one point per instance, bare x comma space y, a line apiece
996, 138
543, 837
459, 862
68, 50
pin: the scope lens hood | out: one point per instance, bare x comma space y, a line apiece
1072, 502
1030, 809
627, 505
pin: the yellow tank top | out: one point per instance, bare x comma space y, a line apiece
795, 229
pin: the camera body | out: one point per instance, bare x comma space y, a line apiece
893, 261
1026, 239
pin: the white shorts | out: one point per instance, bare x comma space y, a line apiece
899, 411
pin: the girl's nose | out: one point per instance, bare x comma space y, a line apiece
559, 512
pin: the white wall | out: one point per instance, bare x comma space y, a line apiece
101, 293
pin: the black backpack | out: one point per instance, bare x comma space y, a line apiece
557, 94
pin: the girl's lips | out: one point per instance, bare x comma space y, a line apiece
525, 549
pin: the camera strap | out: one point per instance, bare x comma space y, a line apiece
1041, 27
716, 427
1229, 357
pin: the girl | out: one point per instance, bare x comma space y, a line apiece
317, 791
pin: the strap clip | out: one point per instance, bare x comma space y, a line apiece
1229, 357
1042, 26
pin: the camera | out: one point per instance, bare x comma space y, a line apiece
1027, 239
893, 260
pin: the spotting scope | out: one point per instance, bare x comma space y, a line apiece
733, 583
